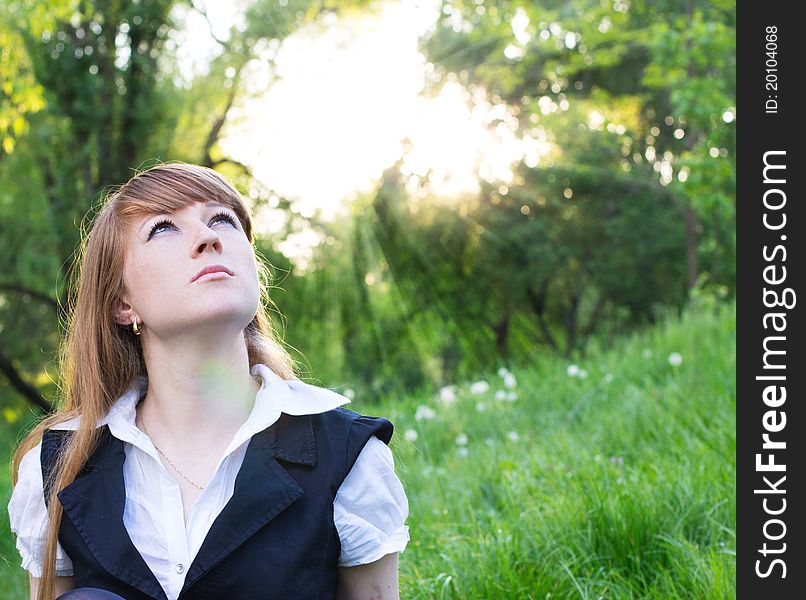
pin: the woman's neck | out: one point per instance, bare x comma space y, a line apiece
197, 391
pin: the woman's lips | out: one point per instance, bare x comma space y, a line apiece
213, 272
213, 275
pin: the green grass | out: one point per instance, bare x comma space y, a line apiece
617, 485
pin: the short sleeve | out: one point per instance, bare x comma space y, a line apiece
29, 518
371, 508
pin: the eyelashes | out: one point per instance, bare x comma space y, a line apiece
159, 225
165, 223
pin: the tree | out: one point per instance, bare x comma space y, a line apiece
675, 59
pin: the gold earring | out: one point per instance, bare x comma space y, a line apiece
135, 327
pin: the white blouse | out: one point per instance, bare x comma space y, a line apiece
369, 511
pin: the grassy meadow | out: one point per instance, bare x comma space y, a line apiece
609, 478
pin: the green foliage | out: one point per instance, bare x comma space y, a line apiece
21, 95
674, 60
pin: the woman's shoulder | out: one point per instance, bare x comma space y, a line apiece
27, 493
30, 462
356, 424
334, 437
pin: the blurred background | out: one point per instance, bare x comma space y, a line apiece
445, 188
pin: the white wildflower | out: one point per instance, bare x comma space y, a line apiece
479, 387
513, 436
501, 395
503, 372
572, 370
349, 393
461, 440
424, 412
675, 359
462, 451
410, 435
447, 395
509, 381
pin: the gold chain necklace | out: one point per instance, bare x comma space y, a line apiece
170, 462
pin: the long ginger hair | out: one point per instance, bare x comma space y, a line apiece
99, 358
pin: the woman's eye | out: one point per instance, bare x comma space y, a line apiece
159, 226
167, 223
222, 216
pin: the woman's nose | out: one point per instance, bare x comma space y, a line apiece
208, 240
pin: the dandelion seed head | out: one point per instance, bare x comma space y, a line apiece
572, 370
424, 413
462, 451
479, 387
509, 381
461, 439
349, 393
500, 395
513, 436
447, 395
410, 435
675, 359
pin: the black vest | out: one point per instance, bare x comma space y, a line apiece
275, 538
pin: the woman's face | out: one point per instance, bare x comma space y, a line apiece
166, 253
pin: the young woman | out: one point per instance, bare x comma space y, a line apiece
187, 460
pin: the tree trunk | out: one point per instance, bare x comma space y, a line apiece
501, 330
693, 232
538, 303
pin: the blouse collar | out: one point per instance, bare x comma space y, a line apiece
275, 397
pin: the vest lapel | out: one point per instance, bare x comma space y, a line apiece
94, 504
263, 489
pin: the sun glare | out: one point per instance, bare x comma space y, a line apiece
333, 120
343, 99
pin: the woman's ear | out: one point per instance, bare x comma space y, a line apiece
122, 311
